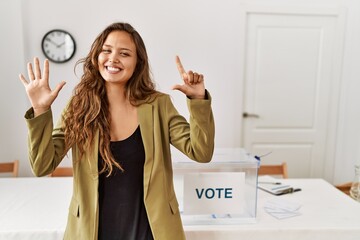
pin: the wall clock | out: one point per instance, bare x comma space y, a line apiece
58, 46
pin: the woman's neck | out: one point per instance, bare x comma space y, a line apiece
123, 115
116, 95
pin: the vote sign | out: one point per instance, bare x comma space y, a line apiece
214, 193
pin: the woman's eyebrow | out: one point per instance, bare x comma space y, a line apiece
123, 48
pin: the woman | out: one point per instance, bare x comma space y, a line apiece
120, 130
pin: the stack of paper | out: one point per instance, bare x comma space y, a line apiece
274, 185
281, 208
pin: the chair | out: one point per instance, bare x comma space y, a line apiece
345, 188
62, 172
274, 170
10, 167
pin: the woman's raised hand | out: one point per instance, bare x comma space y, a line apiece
193, 86
37, 88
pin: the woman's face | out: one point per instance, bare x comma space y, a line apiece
117, 60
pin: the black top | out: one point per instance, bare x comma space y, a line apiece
122, 213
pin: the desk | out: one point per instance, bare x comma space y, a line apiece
326, 214
36, 209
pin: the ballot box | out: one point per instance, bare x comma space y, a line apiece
223, 191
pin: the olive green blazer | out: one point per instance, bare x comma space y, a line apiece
160, 125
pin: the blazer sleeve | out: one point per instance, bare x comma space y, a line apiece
194, 138
46, 144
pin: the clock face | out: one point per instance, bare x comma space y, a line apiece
58, 46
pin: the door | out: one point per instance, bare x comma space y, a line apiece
290, 83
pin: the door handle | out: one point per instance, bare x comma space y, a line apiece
250, 115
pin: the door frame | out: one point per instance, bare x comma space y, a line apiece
337, 62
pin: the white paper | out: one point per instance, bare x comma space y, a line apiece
281, 208
214, 193
273, 185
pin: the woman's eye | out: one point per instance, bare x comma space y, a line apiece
124, 54
106, 50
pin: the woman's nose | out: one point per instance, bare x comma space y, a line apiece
113, 58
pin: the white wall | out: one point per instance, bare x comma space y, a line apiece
205, 33
12, 98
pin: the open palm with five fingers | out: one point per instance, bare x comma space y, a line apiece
37, 87
193, 86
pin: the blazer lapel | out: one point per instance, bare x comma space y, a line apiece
145, 117
92, 158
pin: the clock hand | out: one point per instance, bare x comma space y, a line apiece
54, 43
60, 44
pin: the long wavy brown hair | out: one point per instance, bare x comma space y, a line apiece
88, 109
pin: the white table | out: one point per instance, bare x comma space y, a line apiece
326, 213
36, 208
